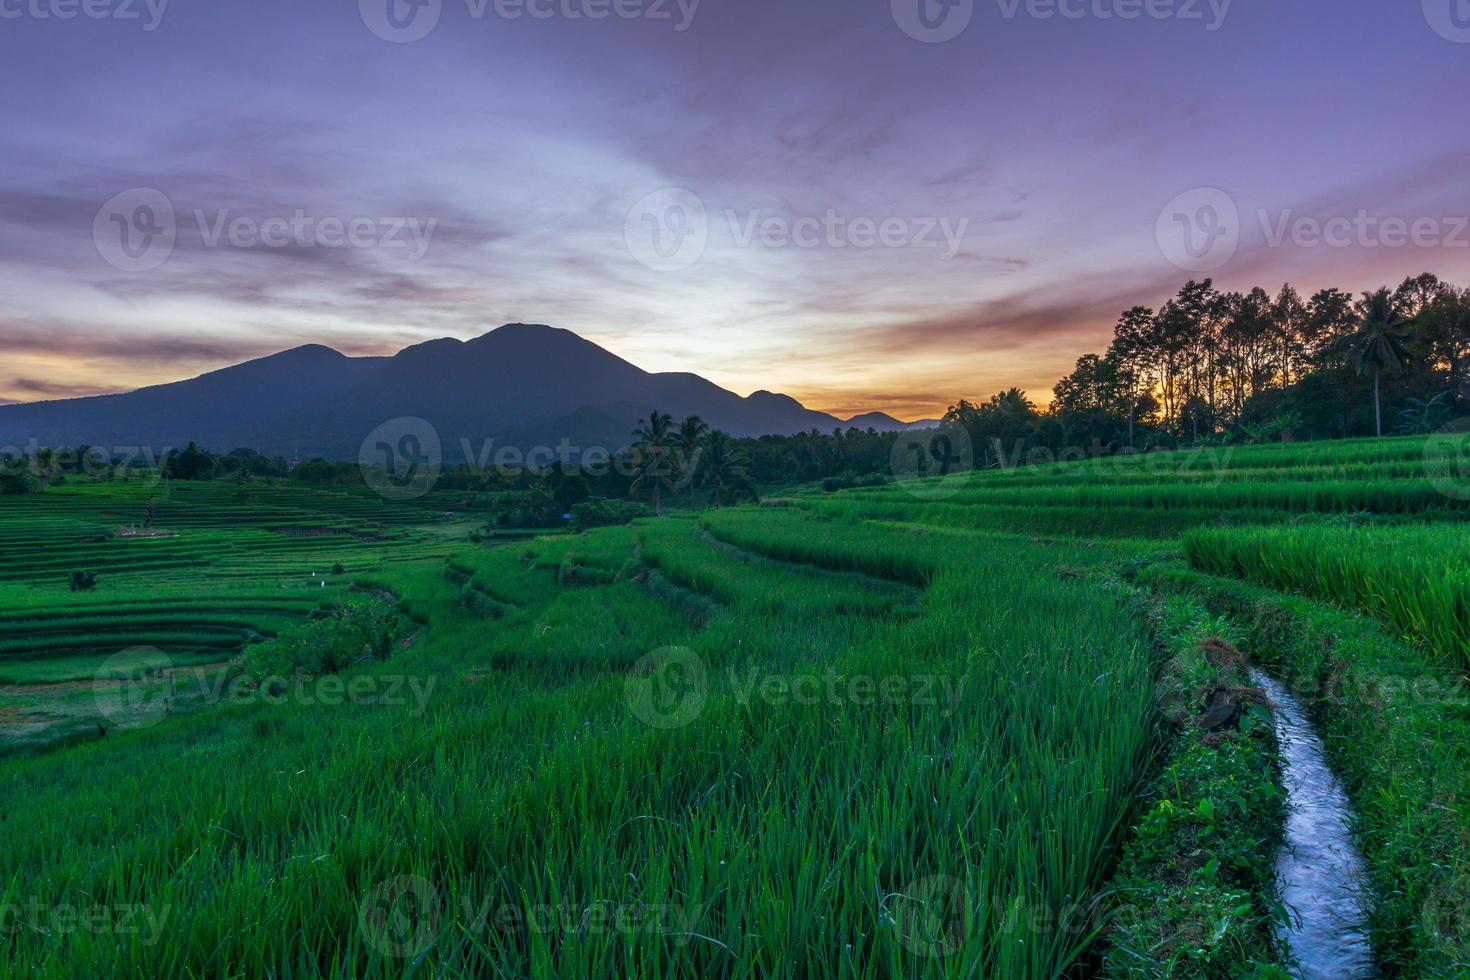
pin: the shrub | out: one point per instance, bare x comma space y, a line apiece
83, 581
19, 483
602, 512
347, 634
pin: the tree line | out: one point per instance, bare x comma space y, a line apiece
1210, 365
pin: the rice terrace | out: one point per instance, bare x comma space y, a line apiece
950, 724
734, 489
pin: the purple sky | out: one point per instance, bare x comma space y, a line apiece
969, 215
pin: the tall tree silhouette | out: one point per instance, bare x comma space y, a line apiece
725, 466
653, 463
690, 438
1378, 345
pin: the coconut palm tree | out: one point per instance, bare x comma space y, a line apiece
725, 465
690, 437
653, 449
1378, 345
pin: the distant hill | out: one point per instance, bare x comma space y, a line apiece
520, 385
883, 422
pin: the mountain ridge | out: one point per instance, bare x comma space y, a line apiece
520, 383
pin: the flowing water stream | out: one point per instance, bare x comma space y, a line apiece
1319, 871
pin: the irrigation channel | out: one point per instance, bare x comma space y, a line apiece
1319, 871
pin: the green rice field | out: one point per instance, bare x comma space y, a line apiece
866, 733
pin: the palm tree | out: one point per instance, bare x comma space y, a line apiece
1378, 345
653, 445
725, 465
690, 434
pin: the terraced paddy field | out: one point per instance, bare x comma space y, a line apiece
219, 565
997, 726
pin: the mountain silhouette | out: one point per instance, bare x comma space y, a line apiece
521, 385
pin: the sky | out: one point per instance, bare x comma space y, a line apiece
867, 204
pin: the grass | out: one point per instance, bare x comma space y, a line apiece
1414, 579
776, 834
1397, 727
857, 734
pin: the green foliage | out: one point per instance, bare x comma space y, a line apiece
801, 838
1194, 881
351, 634
14, 483
1415, 579
601, 512
1397, 730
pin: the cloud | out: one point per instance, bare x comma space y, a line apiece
80, 343
52, 389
